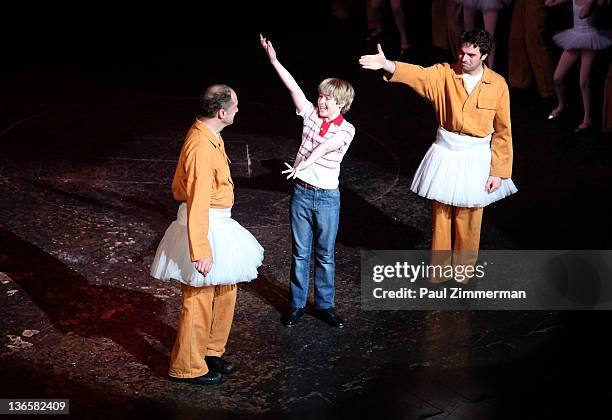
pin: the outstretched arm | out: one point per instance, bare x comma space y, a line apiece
298, 97
377, 61
426, 81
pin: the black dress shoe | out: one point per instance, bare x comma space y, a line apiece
292, 318
331, 317
211, 378
217, 364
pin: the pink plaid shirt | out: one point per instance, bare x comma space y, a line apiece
325, 171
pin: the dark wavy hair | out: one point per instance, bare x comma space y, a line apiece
478, 38
213, 99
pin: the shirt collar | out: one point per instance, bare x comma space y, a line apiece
486, 73
338, 120
326, 124
212, 137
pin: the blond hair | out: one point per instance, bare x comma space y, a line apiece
340, 90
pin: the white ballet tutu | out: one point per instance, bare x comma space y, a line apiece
484, 4
583, 35
236, 253
583, 39
455, 171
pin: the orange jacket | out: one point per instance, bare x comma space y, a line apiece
485, 111
203, 180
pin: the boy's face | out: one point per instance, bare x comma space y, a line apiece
327, 107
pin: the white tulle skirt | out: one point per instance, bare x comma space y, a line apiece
236, 253
484, 4
455, 170
580, 39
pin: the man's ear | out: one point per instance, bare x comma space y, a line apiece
484, 57
221, 113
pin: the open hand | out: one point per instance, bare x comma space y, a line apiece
292, 171
373, 62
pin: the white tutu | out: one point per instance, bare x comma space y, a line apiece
236, 253
484, 4
587, 40
455, 170
583, 35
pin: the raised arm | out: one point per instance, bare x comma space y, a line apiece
298, 97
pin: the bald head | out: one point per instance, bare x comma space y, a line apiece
214, 98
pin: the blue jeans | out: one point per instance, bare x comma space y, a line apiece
314, 217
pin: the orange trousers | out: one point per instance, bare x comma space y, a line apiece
530, 54
467, 222
203, 328
446, 25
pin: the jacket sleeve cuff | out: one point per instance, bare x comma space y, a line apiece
501, 173
394, 76
202, 252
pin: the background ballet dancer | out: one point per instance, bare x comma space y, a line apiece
582, 41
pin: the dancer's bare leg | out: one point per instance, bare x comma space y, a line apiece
586, 64
378, 17
400, 22
567, 60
